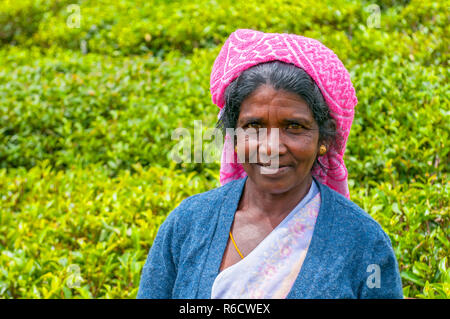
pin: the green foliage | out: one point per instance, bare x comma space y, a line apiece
87, 114
72, 109
51, 221
19, 20
415, 216
401, 131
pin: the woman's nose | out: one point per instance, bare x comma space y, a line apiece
269, 144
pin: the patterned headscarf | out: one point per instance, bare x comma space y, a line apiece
245, 48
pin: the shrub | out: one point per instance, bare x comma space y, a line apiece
55, 226
87, 114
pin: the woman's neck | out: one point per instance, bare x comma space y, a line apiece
273, 206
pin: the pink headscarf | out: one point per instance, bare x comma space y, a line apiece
245, 48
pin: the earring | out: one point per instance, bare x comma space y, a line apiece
322, 150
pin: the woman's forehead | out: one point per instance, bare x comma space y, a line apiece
271, 101
266, 95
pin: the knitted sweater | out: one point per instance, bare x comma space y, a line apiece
350, 256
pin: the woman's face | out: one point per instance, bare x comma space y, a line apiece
297, 142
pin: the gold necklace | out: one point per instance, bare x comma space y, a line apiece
235, 246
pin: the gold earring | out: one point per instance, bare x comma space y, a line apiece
322, 150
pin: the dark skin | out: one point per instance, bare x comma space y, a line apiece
268, 198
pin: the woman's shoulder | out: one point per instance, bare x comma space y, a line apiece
354, 221
201, 207
355, 236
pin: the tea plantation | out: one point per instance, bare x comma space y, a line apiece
91, 91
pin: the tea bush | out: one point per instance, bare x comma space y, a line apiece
53, 222
87, 115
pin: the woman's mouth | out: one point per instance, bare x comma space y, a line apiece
275, 171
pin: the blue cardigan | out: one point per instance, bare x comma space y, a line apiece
350, 256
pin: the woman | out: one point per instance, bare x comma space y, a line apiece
286, 230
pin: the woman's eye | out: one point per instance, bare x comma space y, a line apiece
294, 126
253, 125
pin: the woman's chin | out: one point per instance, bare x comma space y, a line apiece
272, 180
